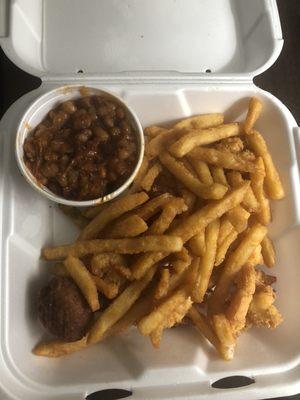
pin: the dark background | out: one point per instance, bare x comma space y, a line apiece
282, 79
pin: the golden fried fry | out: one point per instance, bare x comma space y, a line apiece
118, 308
112, 212
131, 226
121, 246
197, 244
200, 121
153, 206
257, 184
273, 183
214, 191
150, 177
58, 348
167, 313
238, 217
174, 207
200, 137
224, 246
205, 329
268, 252
219, 175
136, 185
249, 203
83, 280
226, 228
255, 258
241, 299
207, 261
254, 111
225, 335
153, 131
198, 221
202, 170
163, 284
223, 159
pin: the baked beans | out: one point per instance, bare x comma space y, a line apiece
84, 149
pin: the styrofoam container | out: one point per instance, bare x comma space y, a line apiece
154, 55
39, 109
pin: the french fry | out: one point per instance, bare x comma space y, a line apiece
255, 258
249, 203
180, 265
233, 265
202, 171
205, 329
150, 177
198, 221
91, 212
273, 183
238, 217
197, 244
118, 308
240, 301
232, 144
122, 246
257, 184
112, 212
158, 316
163, 284
189, 198
223, 159
138, 310
158, 143
103, 261
131, 226
83, 280
109, 289
225, 335
219, 175
161, 224
225, 228
58, 348
75, 215
214, 191
254, 111
136, 185
207, 261
153, 206
200, 121
268, 252
153, 131
224, 246
144, 262
122, 270
200, 137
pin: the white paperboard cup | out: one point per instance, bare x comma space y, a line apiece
38, 111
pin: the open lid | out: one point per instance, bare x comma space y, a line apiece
135, 38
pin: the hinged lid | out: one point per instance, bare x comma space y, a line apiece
121, 38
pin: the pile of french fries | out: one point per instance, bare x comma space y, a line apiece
159, 257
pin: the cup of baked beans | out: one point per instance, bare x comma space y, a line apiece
79, 146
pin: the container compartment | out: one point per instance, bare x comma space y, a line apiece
129, 361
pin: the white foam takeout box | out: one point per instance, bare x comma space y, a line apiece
155, 55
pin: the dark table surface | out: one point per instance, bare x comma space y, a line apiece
282, 79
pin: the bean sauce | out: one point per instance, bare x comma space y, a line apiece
84, 149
